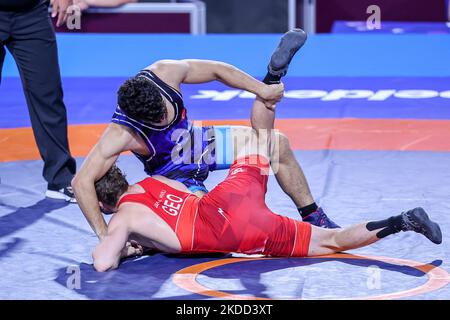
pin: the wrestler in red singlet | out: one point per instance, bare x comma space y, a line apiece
233, 217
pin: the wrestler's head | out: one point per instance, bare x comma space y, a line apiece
110, 188
141, 100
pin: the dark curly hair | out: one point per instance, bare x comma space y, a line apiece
140, 99
111, 186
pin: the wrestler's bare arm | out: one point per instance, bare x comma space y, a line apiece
175, 72
129, 233
114, 140
111, 248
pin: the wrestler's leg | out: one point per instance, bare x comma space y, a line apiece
324, 241
286, 168
328, 241
233, 142
288, 171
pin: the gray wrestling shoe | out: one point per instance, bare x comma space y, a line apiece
289, 44
417, 220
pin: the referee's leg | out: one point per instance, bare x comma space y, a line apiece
5, 22
33, 45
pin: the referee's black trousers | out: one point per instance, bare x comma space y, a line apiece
30, 38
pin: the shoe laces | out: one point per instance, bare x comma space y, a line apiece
410, 224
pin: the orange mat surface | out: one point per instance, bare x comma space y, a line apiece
304, 134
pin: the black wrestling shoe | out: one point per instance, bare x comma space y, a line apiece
61, 194
289, 44
417, 220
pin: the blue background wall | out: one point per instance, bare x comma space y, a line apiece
323, 55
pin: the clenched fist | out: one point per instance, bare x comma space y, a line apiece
271, 94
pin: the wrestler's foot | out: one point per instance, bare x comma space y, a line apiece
290, 43
319, 219
417, 220
61, 194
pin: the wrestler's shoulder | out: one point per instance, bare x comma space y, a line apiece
118, 130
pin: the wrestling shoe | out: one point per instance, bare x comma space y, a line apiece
417, 220
319, 219
61, 194
289, 44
